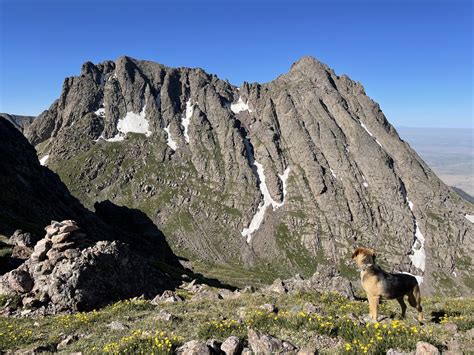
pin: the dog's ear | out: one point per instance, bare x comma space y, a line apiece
356, 252
372, 254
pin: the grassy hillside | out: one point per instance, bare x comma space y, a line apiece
141, 327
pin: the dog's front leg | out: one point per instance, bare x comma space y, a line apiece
373, 306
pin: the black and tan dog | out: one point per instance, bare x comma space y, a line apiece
380, 284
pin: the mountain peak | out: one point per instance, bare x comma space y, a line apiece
307, 63
305, 163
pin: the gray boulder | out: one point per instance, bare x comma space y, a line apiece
19, 280
262, 343
232, 346
424, 348
194, 347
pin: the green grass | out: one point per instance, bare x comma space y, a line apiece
5, 249
347, 271
445, 282
295, 251
146, 332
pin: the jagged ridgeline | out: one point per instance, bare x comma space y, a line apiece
277, 177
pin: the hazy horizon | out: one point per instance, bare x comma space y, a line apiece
449, 152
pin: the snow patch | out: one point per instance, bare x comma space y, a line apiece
370, 133
44, 159
240, 106
365, 184
333, 174
100, 112
418, 258
134, 123
267, 200
186, 119
470, 218
365, 127
131, 123
284, 180
117, 138
171, 143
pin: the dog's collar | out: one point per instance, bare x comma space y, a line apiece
365, 267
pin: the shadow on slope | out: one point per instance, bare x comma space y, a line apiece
463, 194
143, 231
32, 196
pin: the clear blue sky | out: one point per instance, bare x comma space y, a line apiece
414, 57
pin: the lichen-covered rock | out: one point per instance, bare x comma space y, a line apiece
19, 280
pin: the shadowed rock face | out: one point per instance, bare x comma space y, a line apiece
20, 122
279, 176
32, 195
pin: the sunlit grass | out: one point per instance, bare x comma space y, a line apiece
336, 318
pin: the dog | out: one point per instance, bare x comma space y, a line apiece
380, 284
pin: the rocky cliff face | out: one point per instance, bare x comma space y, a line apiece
279, 177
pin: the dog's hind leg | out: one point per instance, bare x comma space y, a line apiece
402, 305
414, 298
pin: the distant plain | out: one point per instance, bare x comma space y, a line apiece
448, 151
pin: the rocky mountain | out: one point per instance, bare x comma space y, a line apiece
277, 177
20, 122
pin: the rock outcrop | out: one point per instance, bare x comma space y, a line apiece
87, 260
69, 272
280, 176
